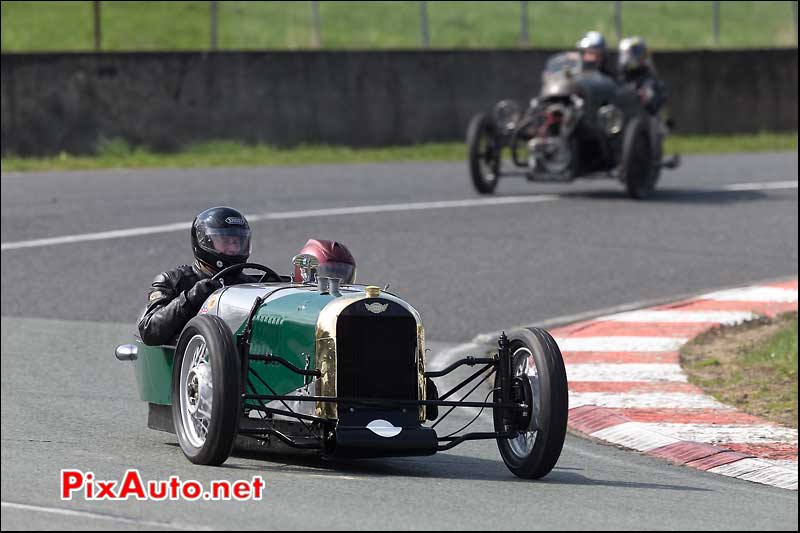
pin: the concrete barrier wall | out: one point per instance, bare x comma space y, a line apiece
54, 102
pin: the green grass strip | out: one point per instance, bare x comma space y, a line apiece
118, 154
757, 373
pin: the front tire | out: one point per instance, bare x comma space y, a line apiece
206, 400
484, 153
535, 356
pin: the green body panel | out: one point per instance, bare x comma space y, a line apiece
285, 327
153, 368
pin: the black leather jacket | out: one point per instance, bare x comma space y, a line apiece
168, 308
651, 89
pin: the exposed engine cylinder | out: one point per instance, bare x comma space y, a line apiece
549, 150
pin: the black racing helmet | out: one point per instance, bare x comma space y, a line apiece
220, 238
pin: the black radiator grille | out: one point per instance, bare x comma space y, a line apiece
376, 357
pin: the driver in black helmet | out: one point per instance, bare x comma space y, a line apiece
220, 238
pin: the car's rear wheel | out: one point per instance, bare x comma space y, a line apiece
206, 399
538, 365
484, 151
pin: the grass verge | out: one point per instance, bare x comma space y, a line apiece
118, 154
186, 25
752, 366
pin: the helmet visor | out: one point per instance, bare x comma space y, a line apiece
335, 269
632, 57
226, 241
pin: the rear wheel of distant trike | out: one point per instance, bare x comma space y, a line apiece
640, 169
484, 151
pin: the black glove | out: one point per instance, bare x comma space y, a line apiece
201, 290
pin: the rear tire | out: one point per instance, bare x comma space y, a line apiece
657, 144
639, 170
484, 153
534, 453
206, 395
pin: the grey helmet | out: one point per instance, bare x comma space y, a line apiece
592, 47
633, 55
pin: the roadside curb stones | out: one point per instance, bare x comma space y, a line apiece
627, 387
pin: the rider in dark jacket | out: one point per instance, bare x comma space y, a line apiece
220, 238
636, 68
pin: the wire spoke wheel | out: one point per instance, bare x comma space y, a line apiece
488, 156
538, 368
484, 151
206, 401
524, 365
196, 392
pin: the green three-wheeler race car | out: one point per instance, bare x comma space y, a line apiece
339, 371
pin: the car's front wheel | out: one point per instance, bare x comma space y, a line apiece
206, 399
538, 367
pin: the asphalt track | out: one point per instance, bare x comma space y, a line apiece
549, 251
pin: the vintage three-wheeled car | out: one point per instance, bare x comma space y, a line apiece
583, 124
339, 371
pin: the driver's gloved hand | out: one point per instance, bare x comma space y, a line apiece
201, 290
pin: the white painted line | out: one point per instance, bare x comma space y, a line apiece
417, 206
715, 434
103, 235
620, 344
285, 215
99, 516
654, 372
682, 317
327, 476
635, 436
760, 471
354, 210
645, 400
762, 186
753, 294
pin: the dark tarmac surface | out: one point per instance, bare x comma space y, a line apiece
67, 403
